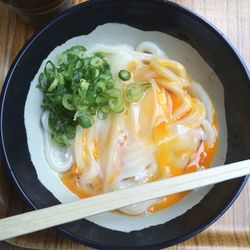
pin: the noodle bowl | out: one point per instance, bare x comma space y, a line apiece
171, 130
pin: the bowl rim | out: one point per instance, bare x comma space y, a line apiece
26, 47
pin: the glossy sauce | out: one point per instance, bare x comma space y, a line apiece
70, 180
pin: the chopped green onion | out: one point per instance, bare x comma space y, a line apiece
76, 50
101, 85
65, 75
61, 78
96, 62
110, 84
53, 85
134, 92
69, 131
67, 101
78, 64
92, 110
105, 77
79, 89
76, 75
86, 120
114, 93
116, 105
50, 70
99, 54
79, 114
101, 100
146, 86
84, 84
106, 109
102, 115
77, 101
86, 61
124, 75
81, 54
82, 108
64, 58
61, 140
42, 82
95, 73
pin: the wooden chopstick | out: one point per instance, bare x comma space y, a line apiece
52, 216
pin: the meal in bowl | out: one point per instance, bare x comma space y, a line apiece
116, 116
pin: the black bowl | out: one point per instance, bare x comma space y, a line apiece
146, 15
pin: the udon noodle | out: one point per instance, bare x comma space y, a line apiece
171, 131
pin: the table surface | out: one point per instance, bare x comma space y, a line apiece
232, 230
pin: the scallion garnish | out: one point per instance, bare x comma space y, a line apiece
124, 75
84, 85
81, 88
50, 70
96, 62
53, 85
86, 120
114, 93
134, 92
67, 102
146, 86
116, 105
102, 115
101, 85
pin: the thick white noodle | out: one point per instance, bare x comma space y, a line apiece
112, 50
133, 126
45, 120
137, 170
195, 117
151, 48
59, 159
201, 94
90, 176
151, 123
111, 159
175, 88
138, 208
79, 148
134, 165
210, 132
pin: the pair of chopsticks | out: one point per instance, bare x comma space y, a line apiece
52, 216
